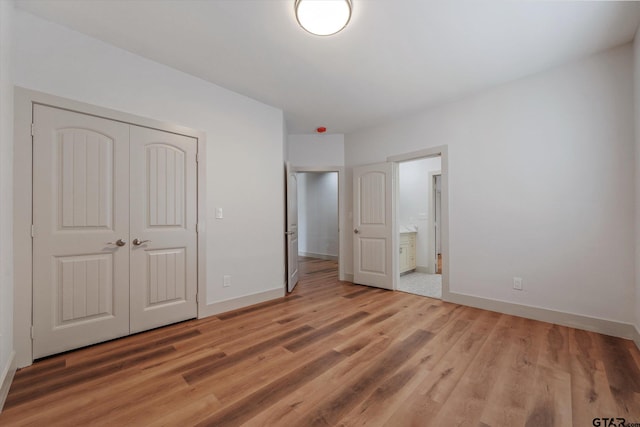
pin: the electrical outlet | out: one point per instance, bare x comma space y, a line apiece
517, 283
226, 281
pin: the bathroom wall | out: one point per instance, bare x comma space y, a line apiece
415, 206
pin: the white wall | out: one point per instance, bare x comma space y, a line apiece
6, 188
316, 150
244, 141
318, 213
415, 206
541, 185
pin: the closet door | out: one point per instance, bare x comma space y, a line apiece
163, 228
81, 230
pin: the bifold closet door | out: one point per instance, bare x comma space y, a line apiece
163, 228
81, 230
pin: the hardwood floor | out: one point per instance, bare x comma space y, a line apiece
334, 353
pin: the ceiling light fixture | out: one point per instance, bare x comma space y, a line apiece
323, 17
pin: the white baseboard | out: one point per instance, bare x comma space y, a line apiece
348, 277
594, 324
636, 337
319, 256
7, 377
241, 302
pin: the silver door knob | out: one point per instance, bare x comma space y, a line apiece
356, 231
138, 242
118, 242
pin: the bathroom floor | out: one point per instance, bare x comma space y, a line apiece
428, 285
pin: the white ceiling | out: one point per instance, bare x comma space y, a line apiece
395, 57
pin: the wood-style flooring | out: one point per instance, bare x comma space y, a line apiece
333, 353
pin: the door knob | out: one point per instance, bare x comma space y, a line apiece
118, 242
138, 242
356, 231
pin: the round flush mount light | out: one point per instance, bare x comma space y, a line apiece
323, 17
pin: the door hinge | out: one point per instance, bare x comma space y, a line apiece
33, 129
33, 332
197, 157
33, 231
197, 298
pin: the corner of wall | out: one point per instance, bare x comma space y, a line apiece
636, 115
7, 353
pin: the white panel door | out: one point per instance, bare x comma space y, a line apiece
80, 209
163, 228
292, 228
373, 225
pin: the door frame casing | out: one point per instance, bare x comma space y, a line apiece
443, 152
341, 206
24, 99
289, 233
433, 263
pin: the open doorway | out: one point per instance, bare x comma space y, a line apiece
318, 219
419, 214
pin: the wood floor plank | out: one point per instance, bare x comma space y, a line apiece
623, 375
197, 370
260, 400
470, 395
334, 409
590, 393
551, 401
335, 353
330, 329
443, 375
509, 398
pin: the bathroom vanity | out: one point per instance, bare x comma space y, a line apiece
407, 250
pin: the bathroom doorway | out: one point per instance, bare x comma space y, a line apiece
318, 219
419, 216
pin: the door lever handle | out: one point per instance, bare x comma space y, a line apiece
138, 242
118, 242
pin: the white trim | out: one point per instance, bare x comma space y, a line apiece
431, 239
241, 302
594, 324
319, 256
341, 209
24, 99
348, 277
443, 152
6, 378
636, 337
